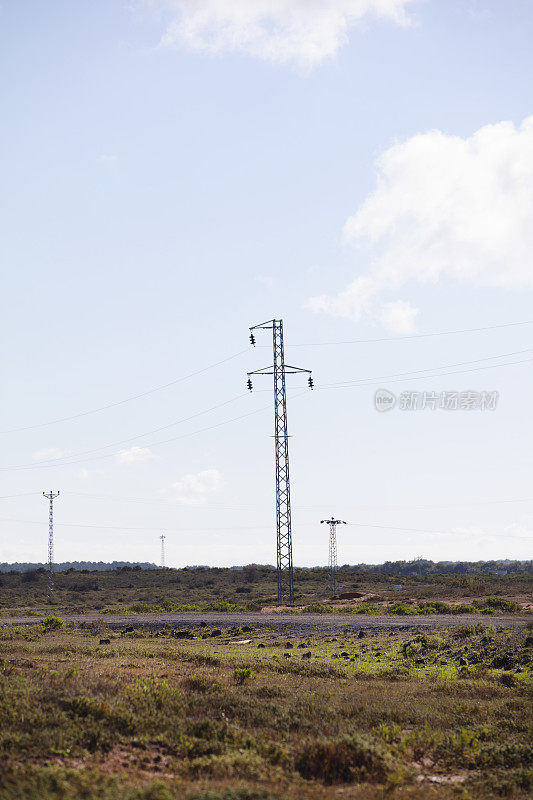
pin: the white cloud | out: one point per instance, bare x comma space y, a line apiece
194, 489
398, 316
354, 301
444, 208
48, 454
134, 455
304, 32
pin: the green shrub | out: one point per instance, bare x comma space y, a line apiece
344, 760
421, 644
402, 609
222, 605
366, 608
241, 674
150, 608
199, 683
464, 608
52, 623
317, 608
152, 691
502, 604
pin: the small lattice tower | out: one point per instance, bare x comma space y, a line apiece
332, 560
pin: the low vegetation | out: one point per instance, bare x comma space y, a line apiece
145, 715
384, 590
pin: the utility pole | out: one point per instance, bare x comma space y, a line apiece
332, 561
51, 496
163, 537
281, 445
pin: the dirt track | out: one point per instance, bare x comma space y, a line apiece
297, 624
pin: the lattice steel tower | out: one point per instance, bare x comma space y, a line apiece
332, 561
51, 496
163, 537
281, 445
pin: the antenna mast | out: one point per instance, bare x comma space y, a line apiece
163, 537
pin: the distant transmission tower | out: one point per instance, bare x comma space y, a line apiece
163, 537
281, 444
332, 561
51, 496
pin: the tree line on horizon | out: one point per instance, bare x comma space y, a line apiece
405, 568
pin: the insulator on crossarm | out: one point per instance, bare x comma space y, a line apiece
252, 339
249, 384
311, 383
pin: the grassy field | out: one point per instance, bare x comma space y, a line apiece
254, 588
247, 715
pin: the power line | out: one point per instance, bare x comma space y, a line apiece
391, 528
219, 506
417, 372
425, 531
139, 528
152, 444
126, 399
361, 382
429, 377
249, 506
162, 387
22, 494
414, 335
140, 435
355, 384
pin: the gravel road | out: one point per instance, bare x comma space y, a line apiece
295, 624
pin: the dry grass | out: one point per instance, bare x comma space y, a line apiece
147, 717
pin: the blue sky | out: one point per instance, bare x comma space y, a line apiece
173, 172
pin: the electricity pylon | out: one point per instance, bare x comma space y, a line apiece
163, 537
281, 444
332, 561
51, 496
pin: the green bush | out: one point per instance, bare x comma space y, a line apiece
317, 608
241, 674
421, 644
464, 608
52, 623
344, 760
202, 684
402, 609
222, 605
365, 608
502, 604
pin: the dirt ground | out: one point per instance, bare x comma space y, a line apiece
299, 624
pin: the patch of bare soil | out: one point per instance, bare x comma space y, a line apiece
152, 758
460, 777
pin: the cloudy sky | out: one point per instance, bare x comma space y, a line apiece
174, 171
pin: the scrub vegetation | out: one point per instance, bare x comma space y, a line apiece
231, 714
476, 588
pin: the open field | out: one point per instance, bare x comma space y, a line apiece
264, 714
196, 683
